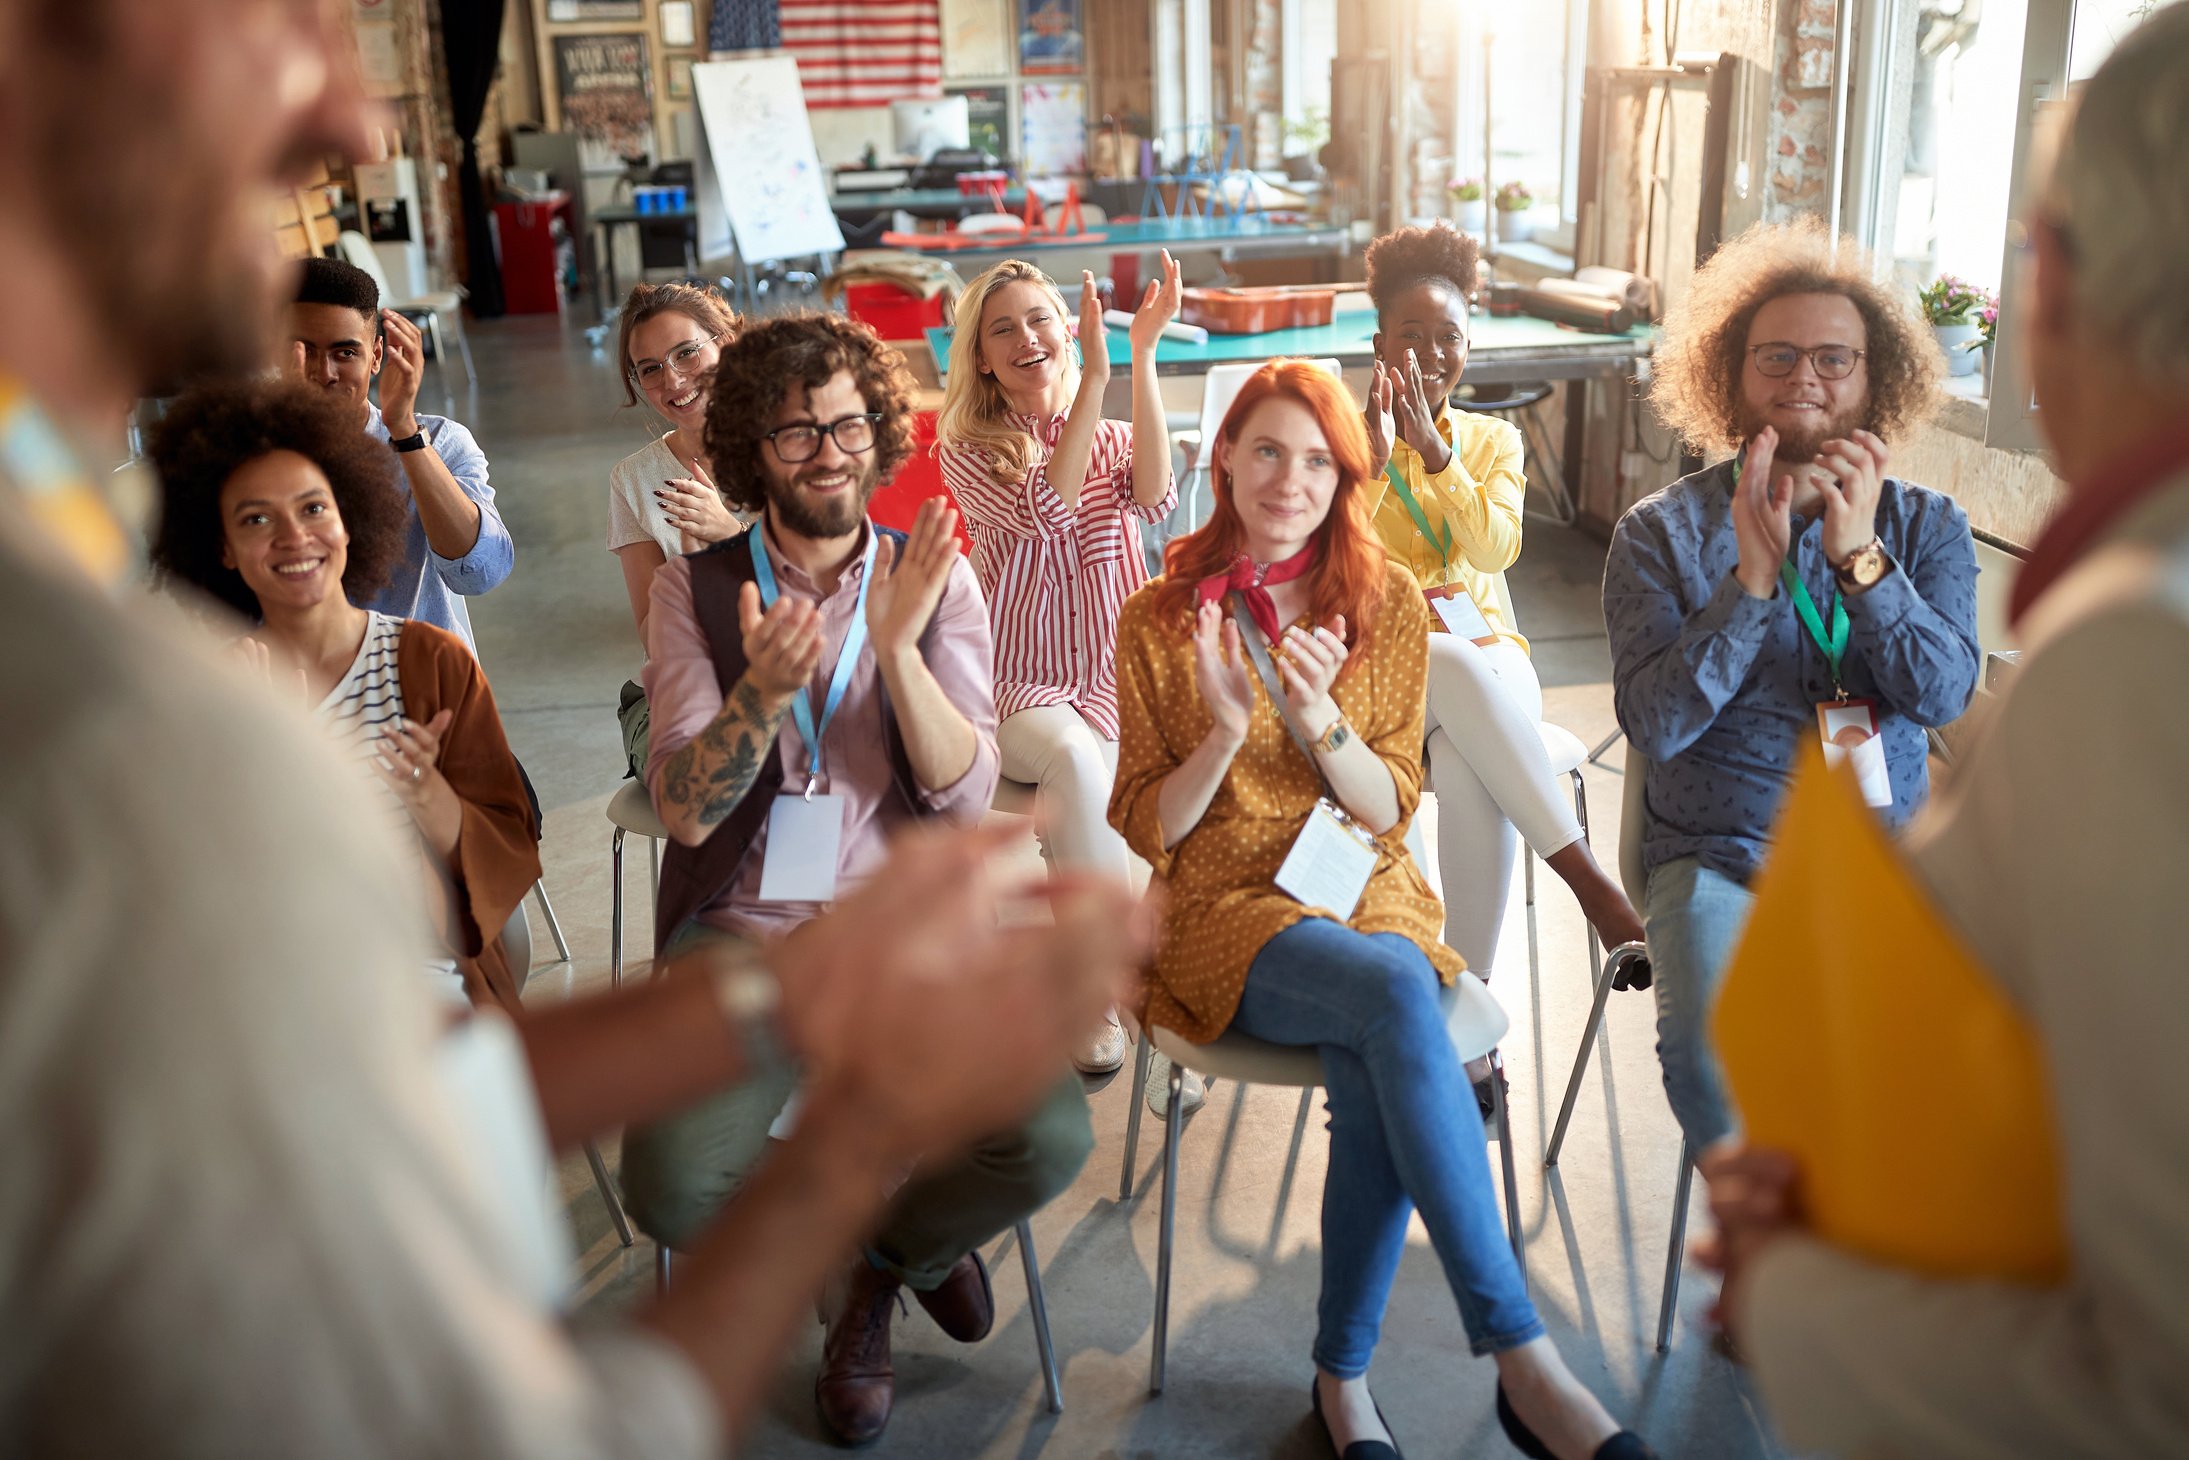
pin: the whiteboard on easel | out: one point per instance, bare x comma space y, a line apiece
760, 182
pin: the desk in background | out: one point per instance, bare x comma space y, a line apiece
608, 294
1250, 237
865, 216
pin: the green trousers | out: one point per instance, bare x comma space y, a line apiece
679, 1173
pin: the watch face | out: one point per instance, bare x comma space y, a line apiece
1868, 565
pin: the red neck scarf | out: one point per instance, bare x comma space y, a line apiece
1253, 586
2109, 495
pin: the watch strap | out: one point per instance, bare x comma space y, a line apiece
415, 441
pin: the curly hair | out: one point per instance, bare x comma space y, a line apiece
209, 435
702, 304
1438, 254
1696, 386
813, 348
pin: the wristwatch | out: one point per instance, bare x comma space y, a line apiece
415, 441
1862, 567
1333, 736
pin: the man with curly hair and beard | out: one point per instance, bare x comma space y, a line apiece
818, 683
1798, 573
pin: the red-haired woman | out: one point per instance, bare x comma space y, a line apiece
1218, 784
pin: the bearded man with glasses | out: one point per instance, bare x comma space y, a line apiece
1793, 590
817, 683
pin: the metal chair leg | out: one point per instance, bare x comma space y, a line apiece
1171, 1129
1676, 1249
1603, 745
1580, 1063
554, 925
661, 1270
1581, 814
1505, 1159
608, 1193
615, 910
463, 348
1037, 1304
1132, 1121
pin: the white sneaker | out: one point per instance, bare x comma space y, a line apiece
1192, 1093
1104, 1049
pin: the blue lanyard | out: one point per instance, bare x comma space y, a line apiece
847, 658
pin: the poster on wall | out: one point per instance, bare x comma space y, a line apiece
1051, 41
987, 118
605, 83
976, 38
570, 12
1052, 128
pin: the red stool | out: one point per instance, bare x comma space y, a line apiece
892, 313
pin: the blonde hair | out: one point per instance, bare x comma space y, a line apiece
975, 412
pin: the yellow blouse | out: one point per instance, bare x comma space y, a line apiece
1477, 497
1220, 877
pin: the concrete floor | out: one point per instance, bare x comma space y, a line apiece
557, 641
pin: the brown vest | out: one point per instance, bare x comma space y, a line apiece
692, 877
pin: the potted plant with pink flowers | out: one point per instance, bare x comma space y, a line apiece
1513, 202
1953, 306
1467, 205
1987, 333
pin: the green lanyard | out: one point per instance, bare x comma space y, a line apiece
1443, 544
1834, 645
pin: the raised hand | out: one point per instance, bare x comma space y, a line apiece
1417, 416
1094, 343
402, 367
1382, 430
697, 511
1308, 667
782, 645
907, 586
1221, 673
1852, 479
1762, 516
1158, 307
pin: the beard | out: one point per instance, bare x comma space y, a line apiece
1804, 444
824, 517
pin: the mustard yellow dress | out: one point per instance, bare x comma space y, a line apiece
1221, 877
1477, 498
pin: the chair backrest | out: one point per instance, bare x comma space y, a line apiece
986, 223
517, 946
358, 249
1221, 386
1633, 819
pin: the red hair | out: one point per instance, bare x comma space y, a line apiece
1349, 572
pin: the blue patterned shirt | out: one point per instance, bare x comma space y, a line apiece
426, 585
1717, 689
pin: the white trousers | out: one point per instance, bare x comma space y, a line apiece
1052, 747
1491, 778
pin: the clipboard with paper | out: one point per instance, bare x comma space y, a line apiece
1859, 1035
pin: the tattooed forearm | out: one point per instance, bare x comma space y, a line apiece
704, 782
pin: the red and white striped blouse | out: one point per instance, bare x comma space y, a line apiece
1056, 576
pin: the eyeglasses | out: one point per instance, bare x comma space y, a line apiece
683, 360
1831, 362
852, 435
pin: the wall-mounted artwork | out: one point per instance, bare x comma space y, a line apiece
572, 12
1051, 40
605, 86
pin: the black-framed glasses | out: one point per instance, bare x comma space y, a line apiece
1831, 362
802, 442
683, 360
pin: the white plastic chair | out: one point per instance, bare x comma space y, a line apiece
1219, 388
449, 303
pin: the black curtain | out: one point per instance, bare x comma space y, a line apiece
471, 37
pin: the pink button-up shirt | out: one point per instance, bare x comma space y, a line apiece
1055, 575
685, 694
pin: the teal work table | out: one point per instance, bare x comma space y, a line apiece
1252, 236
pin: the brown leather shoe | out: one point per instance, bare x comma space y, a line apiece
964, 1306
856, 1382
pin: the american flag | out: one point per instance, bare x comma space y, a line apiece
850, 52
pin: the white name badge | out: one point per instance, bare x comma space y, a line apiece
1330, 863
1850, 736
799, 861
1456, 608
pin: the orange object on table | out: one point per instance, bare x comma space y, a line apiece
1257, 311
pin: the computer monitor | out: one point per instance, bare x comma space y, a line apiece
925, 126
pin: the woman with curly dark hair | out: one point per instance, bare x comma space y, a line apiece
1448, 507
277, 506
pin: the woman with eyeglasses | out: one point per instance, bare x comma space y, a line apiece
1446, 503
662, 500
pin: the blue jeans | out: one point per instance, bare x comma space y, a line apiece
1694, 917
1404, 1132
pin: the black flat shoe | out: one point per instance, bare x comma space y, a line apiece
1626, 1445
1359, 1449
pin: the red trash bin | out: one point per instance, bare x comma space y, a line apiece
525, 243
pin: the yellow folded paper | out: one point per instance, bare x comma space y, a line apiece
1859, 1034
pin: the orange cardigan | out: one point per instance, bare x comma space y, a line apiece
498, 847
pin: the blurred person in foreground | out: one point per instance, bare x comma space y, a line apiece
2059, 853
264, 1197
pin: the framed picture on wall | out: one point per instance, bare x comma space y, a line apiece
976, 38
676, 24
572, 12
680, 78
1052, 128
1051, 39
605, 86
987, 118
